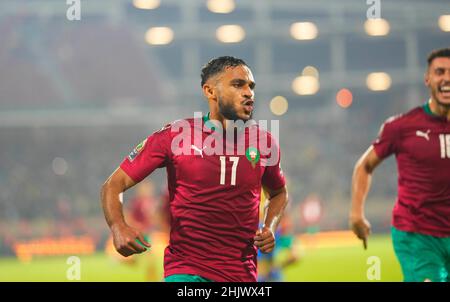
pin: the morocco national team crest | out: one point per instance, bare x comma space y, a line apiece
137, 150
252, 155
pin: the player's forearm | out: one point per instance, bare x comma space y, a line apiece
275, 210
111, 197
361, 182
112, 205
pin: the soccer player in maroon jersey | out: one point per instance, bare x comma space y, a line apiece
420, 140
214, 196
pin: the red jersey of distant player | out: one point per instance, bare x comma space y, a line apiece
421, 144
142, 209
214, 202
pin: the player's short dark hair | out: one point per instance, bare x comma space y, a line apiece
217, 65
438, 53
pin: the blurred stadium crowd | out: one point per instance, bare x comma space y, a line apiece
77, 96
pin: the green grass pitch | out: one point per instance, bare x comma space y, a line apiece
346, 263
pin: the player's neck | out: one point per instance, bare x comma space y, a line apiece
439, 110
226, 124
218, 117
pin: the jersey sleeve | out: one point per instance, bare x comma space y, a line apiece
385, 144
152, 153
273, 177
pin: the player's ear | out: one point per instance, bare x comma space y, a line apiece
209, 91
426, 78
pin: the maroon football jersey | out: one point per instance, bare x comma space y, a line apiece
214, 197
421, 144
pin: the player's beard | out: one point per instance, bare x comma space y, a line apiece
229, 111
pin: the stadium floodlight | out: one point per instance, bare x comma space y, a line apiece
377, 27
308, 82
305, 85
146, 4
378, 81
230, 33
344, 98
444, 22
311, 71
159, 35
221, 6
304, 31
279, 105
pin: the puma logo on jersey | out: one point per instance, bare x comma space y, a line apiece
423, 134
195, 148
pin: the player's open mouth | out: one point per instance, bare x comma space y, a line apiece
445, 90
248, 105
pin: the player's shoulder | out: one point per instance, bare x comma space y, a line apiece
262, 130
175, 126
403, 118
414, 113
271, 138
